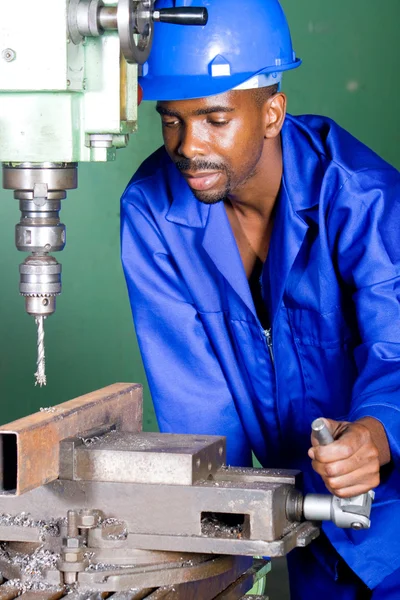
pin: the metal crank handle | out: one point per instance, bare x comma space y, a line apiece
344, 512
182, 15
321, 432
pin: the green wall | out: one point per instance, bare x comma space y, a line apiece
350, 73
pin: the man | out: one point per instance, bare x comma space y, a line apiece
262, 258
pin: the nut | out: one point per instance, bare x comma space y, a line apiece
72, 556
71, 567
72, 542
88, 519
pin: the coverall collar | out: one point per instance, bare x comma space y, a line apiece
289, 227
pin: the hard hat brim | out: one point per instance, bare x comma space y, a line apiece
189, 88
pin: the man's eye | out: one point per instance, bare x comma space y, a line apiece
170, 123
218, 123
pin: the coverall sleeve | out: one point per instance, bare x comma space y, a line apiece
368, 249
188, 388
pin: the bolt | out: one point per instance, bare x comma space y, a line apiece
8, 54
357, 526
70, 578
72, 523
68, 83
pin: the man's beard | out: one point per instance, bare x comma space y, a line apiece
207, 196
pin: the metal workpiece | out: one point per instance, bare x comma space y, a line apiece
148, 458
39, 435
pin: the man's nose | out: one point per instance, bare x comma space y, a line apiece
192, 142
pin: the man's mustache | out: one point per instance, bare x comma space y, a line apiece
185, 164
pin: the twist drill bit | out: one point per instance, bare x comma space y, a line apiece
40, 374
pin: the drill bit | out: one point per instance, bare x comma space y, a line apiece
40, 374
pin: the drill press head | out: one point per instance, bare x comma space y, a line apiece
40, 187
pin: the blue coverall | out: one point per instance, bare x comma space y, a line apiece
331, 284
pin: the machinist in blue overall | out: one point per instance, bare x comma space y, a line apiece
262, 258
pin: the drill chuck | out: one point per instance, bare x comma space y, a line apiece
40, 283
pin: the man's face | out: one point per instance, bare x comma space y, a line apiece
215, 142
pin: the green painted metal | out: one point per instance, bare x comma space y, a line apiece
350, 73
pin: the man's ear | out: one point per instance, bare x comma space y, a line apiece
275, 113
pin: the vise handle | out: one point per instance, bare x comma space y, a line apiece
344, 512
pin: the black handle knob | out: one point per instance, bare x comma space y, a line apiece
182, 15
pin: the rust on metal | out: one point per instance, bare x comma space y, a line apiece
8, 592
43, 595
29, 447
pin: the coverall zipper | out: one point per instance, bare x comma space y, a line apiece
268, 337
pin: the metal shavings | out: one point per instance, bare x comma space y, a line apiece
30, 586
120, 536
47, 528
213, 527
50, 529
111, 521
115, 534
31, 567
89, 441
49, 409
22, 520
108, 567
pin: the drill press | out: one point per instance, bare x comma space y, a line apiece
68, 93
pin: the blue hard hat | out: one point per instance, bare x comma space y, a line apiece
242, 38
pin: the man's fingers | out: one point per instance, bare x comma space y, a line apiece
350, 465
354, 490
347, 445
352, 483
355, 476
337, 468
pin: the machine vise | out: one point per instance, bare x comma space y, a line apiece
89, 504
